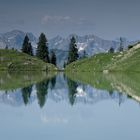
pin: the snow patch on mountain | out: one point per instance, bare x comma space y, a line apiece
81, 46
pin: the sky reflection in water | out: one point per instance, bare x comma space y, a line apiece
59, 108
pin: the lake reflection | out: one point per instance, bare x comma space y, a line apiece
57, 89
61, 108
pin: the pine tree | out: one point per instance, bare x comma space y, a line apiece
111, 50
53, 58
42, 48
30, 49
27, 47
6, 48
73, 51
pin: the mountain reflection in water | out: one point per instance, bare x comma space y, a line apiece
59, 88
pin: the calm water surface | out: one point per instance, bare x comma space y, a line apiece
62, 109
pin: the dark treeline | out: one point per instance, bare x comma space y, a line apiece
43, 53
48, 55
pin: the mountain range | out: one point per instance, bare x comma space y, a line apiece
14, 39
90, 43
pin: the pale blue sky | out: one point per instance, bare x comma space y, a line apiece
108, 19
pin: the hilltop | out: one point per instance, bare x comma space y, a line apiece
11, 60
122, 61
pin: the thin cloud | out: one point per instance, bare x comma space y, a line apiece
46, 19
54, 120
62, 19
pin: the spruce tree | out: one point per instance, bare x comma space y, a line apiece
73, 51
30, 49
53, 58
25, 45
42, 48
111, 50
6, 48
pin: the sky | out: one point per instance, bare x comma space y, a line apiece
108, 19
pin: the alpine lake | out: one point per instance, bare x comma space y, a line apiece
71, 106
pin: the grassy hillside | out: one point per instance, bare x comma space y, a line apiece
95, 63
16, 61
124, 61
127, 61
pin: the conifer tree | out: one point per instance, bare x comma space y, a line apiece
73, 51
111, 50
53, 58
6, 48
30, 49
42, 48
27, 47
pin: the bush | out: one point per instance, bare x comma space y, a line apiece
130, 47
111, 50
